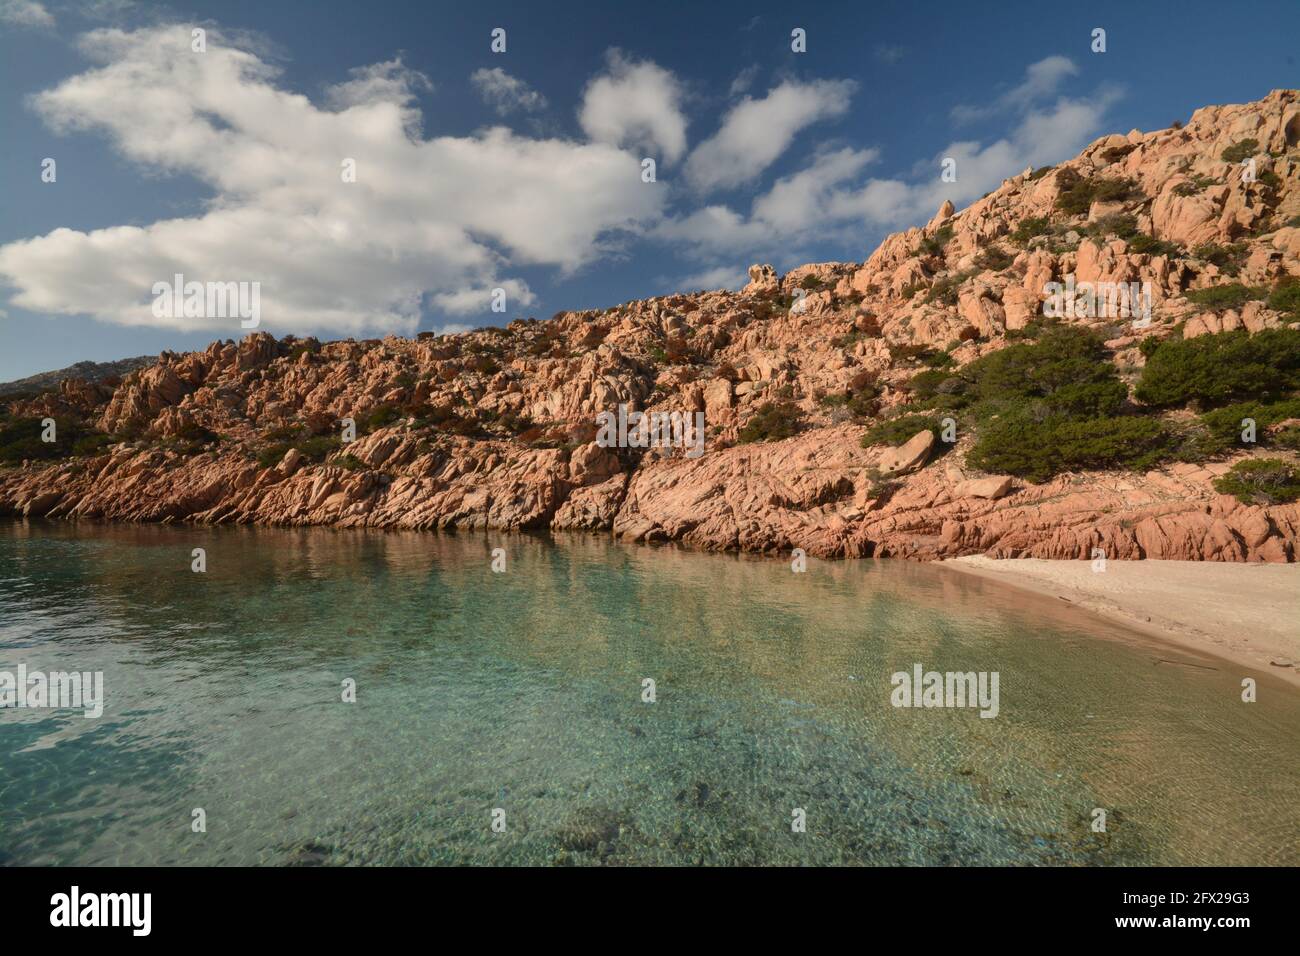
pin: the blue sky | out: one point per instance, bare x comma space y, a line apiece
522, 170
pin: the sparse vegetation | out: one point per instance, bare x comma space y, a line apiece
772, 421
1151, 246
934, 245
1261, 481
1078, 196
1031, 227
993, 259
895, 431
20, 438
1228, 259
1194, 185
1238, 151
1218, 298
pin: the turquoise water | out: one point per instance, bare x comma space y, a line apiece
522, 691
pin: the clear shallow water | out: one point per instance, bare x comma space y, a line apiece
522, 691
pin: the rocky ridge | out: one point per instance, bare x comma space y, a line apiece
496, 428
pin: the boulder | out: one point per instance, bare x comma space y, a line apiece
909, 456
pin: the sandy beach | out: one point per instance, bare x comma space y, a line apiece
1246, 613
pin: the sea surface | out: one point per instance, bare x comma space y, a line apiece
520, 698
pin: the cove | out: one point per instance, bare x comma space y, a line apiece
522, 692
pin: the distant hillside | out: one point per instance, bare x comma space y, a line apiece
89, 371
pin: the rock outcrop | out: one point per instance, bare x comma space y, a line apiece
498, 427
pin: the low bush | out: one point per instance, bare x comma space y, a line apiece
772, 421
1027, 448
933, 245
1261, 481
1239, 151
1119, 224
20, 438
1151, 246
1223, 425
1285, 296
1030, 228
1229, 258
895, 431
994, 259
1076, 198
1221, 297
1218, 369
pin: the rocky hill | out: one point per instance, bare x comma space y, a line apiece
86, 371
919, 404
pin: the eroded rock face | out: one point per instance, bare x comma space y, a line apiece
497, 428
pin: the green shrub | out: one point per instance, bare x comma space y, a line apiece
379, 417
1220, 297
1076, 198
1217, 369
862, 404
1285, 296
1040, 172
771, 422
1030, 228
1223, 425
1061, 356
1261, 481
91, 444
1228, 258
20, 438
1149, 345
933, 245
1018, 445
810, 282
895, 431
994, 259
1239, 151
1194, 185
313, 449
1151, 246
925, 385
1119, 224
944, 291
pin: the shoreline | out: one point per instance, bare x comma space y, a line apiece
1245, 614
1242, 613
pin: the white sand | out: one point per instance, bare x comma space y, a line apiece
1248, 613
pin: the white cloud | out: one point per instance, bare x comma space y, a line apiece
389, 82
505, 93
25, 13
755, 132
744, 80
829, 199
442, 217
888, 54
473, 301
1041, 81
720, 277
635, 104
